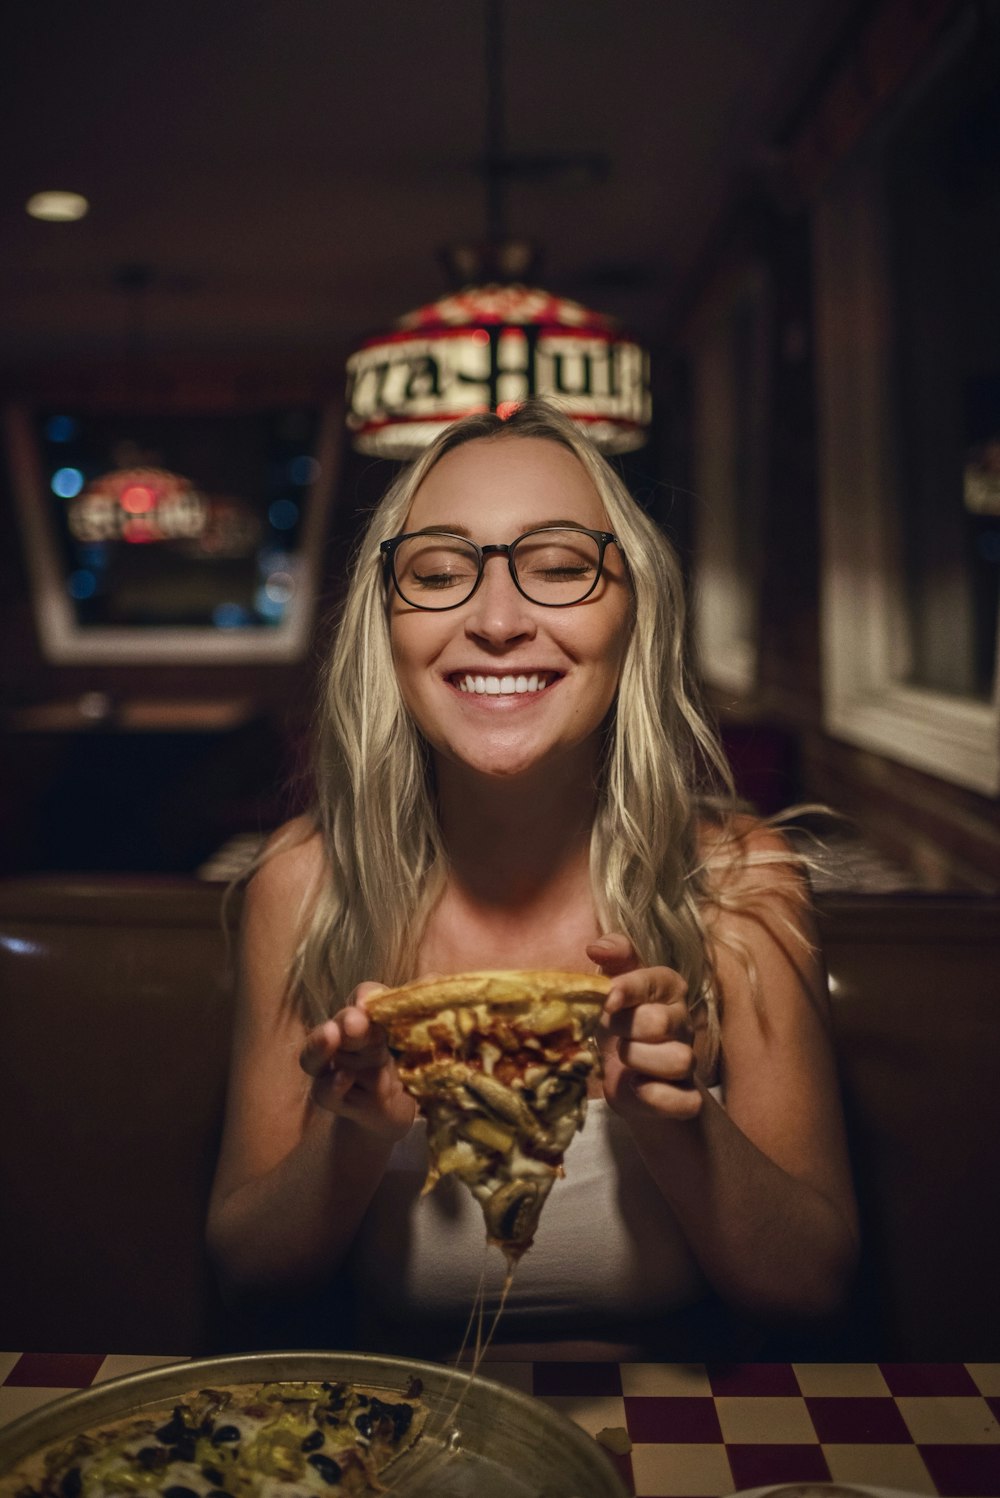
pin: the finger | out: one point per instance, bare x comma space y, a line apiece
651, 1022
340, 1083
647, 985
666, 1100
613, 953
321, 1045
669, 1061
331, 1088
364, 992
357, 1028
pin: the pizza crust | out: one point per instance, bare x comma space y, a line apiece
503, 988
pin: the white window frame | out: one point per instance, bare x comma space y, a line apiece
865, 651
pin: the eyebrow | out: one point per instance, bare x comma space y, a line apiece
461, 530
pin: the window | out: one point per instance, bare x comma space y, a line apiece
173, 535
908, 324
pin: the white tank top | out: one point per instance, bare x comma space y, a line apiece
607, 1248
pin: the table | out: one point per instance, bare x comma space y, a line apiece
703, 1430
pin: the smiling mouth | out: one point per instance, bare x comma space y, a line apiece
503, 686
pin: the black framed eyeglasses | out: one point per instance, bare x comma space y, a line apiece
555, 565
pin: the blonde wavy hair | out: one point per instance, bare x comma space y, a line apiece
663, 771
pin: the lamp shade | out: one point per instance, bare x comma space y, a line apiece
487, 348
138, 504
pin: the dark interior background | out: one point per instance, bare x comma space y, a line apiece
269, 182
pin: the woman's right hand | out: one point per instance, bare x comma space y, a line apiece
353, 1073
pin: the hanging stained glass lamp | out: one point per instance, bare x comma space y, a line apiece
497, 341
487, 348
138, 505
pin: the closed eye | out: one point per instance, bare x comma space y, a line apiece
438, 579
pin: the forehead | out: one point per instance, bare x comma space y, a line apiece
507, 484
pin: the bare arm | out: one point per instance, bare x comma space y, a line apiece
762, 1186
301, 1156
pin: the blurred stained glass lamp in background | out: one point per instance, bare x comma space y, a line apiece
497, 341
138, 505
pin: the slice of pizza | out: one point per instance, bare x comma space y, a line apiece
498, 1063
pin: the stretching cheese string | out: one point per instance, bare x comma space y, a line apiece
432, 1456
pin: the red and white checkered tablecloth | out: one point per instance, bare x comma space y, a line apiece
700, 1431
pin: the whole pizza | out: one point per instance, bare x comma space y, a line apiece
273, 1440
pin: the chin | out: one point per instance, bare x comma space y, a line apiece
503, 763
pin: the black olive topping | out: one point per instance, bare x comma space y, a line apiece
225, 1433
71, 1484
174, 1428
399, 1416
313, 1441
326, 1467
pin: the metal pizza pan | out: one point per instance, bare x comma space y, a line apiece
481, 1438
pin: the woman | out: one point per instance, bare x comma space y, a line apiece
511, 772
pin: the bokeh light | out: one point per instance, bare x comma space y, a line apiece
268, 608
279, 587
138, 499
67, 482
61, 429
57, 207
303, 470
82, 584
229, 616
283, 514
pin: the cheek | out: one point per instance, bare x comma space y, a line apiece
613, 647
413, 649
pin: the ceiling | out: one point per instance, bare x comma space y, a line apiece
281, 174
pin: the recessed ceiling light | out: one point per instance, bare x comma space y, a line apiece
58, 207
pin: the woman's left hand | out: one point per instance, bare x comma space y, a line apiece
646, 1036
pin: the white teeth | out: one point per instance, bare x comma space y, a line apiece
502, 686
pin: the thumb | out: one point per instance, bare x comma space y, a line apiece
614, 954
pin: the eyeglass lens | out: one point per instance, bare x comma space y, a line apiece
551, 567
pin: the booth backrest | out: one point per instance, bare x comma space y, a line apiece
114, 1031
114, 1024
915, 997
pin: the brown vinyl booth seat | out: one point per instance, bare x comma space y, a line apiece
114, 1028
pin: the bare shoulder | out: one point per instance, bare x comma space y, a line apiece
291, 868
746, 860
758, 915
278, 901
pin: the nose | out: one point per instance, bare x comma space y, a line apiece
497, 613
